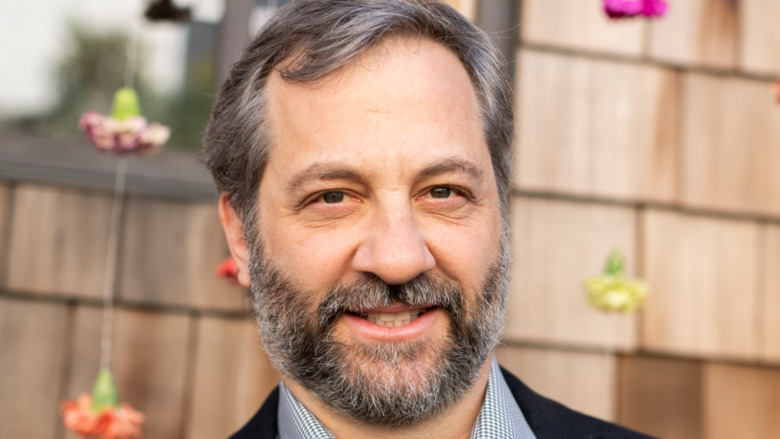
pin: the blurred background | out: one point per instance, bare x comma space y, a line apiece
658, 137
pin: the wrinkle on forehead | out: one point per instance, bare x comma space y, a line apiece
363, 86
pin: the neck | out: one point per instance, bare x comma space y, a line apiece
454, 423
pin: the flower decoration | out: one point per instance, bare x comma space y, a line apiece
612, 291
632, 8
228, 269
125, 131
100, 414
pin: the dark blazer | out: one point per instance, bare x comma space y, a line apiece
548, 419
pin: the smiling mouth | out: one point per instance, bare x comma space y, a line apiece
393, 319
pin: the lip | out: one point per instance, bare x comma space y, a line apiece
418, 328
395, 308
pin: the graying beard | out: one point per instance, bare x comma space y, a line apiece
301, 345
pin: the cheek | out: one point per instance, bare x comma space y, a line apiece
467, 255
315, 260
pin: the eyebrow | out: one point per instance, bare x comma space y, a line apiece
325, 171
320, 171
452, 165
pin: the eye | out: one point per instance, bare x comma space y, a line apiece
332, 197
441, 192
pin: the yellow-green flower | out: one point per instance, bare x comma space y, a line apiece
612, 291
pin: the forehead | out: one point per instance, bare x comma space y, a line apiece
405, 97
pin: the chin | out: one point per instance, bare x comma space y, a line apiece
390, 384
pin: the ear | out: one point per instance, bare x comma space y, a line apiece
234, 232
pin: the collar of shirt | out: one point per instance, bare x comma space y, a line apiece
500, 416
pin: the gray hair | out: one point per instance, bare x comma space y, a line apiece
308, 39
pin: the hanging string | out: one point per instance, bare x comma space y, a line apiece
117, 206
111, 263
132, 51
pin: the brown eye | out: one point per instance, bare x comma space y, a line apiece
333, 197
441, 192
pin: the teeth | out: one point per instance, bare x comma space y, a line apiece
393, 319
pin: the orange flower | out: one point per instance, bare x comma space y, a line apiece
109, 423
228, 270
101, 414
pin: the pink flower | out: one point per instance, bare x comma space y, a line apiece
125, 130
229, 270
632, 8
124, 136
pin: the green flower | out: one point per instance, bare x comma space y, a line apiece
612, 291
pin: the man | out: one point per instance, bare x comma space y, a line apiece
362, 151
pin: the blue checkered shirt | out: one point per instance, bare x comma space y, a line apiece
500, 416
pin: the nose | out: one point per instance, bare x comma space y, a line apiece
394, 248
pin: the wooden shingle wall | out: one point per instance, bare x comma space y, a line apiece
661, 138
184, 350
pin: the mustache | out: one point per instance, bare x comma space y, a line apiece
369, 291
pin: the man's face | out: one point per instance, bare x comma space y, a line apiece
379, 275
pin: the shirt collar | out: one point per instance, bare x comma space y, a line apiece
500, 415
